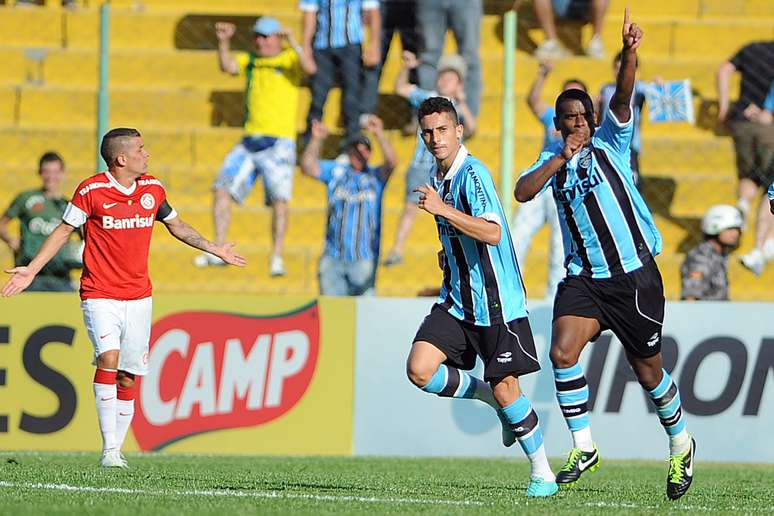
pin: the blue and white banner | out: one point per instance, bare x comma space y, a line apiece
720, 354
670, 101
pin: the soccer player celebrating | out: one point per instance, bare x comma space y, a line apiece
610, 241
481, 308
118, 208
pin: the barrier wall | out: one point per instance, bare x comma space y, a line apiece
228, 374
721, 355
244, 374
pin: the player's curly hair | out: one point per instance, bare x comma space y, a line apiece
114, 141
437, 105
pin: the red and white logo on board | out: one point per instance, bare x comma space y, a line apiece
213, 370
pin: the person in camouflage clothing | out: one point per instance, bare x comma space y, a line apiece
704, 272
40, 211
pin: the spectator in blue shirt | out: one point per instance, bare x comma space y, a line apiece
348, 264
333, 34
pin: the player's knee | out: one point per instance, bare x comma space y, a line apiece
648, 377
561, 358
125, 379
108, 359
505, 390
418, 373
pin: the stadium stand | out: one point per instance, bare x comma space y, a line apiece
164, 80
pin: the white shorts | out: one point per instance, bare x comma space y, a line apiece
120, 325
271, 158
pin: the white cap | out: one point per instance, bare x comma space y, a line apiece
720, 217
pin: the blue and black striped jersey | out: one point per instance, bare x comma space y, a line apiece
606, 226
482, 283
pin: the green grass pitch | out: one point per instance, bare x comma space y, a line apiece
51, 483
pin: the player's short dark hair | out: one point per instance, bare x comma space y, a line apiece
619, 56
437, 105
114, 141
48, 157
575, 81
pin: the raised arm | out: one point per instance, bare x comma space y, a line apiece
305, 57
23, 276
224, 32
310, 159
535, 103
376, 127
188, 235
624, 84
402, 85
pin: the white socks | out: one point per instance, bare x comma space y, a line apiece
540, 466
115, 408
679, 443
105, 393
582, 439
124, 414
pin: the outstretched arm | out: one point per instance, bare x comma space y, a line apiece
188, 235
23, 276
624, 85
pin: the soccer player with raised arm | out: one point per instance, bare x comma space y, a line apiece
612, 282
117, 209
481, 309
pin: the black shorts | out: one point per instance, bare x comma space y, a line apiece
505, 349
631, 305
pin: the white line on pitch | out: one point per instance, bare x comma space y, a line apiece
237, 494
332, 498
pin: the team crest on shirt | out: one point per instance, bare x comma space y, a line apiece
448, 199
147, 201
584, 158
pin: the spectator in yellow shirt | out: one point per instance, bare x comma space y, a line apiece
268, 149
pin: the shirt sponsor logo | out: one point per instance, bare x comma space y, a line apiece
211, 370
93, 186
579, 189
135, 222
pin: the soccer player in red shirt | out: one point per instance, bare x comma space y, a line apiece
117, 209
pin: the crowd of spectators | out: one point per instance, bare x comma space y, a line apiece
347, 42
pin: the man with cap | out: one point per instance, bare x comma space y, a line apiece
268, 149
348, 264
450, 83
704, 272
